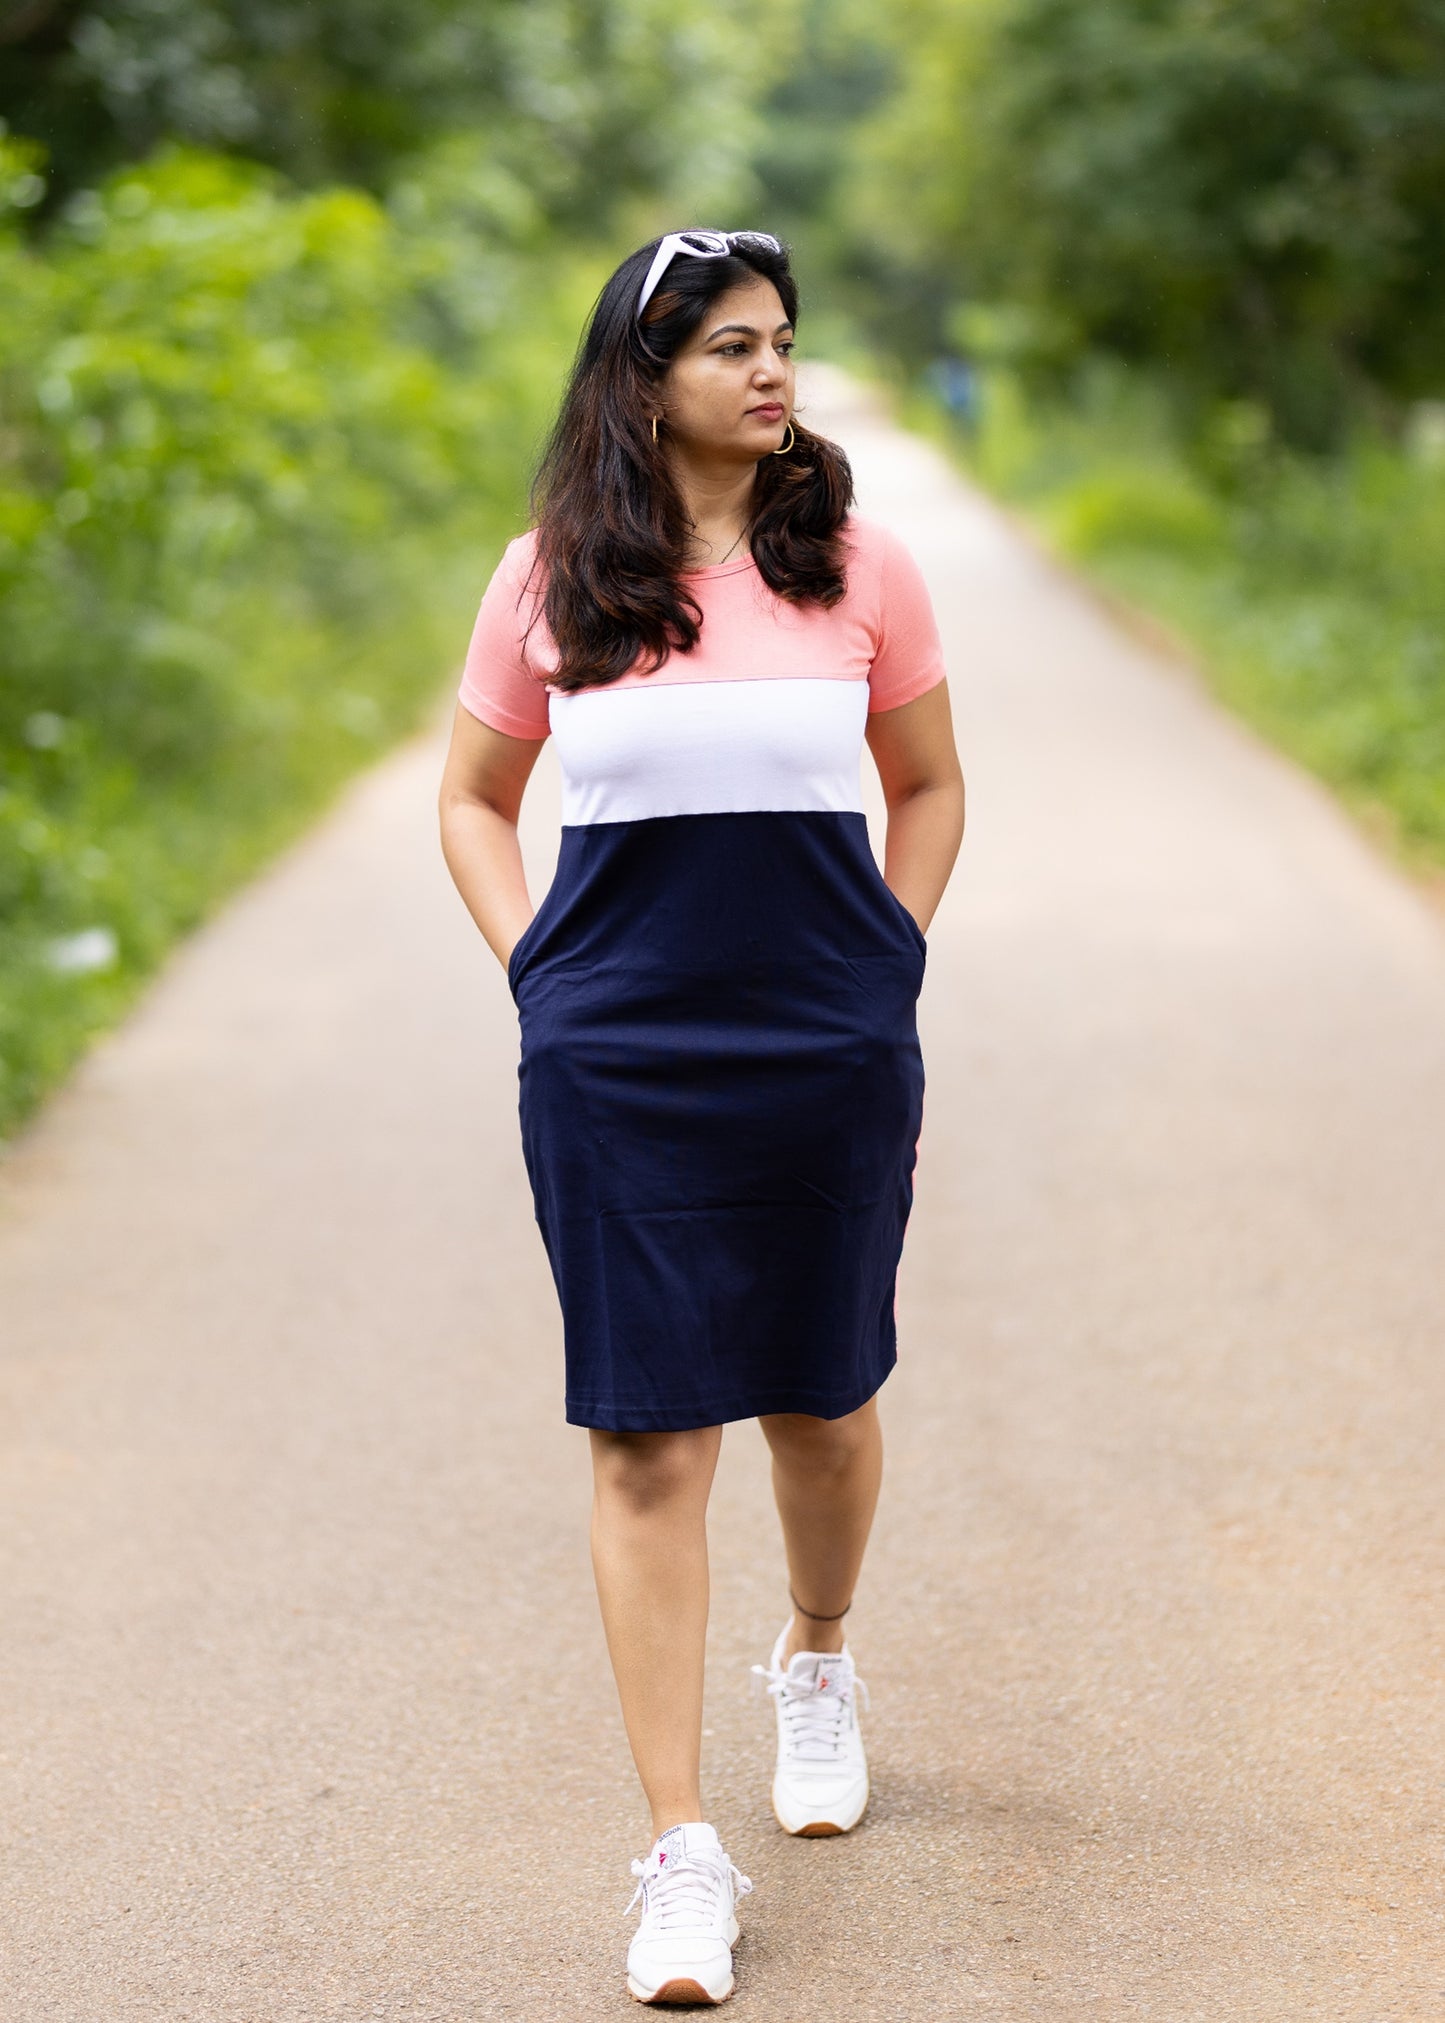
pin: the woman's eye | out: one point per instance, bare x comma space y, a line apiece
737, 350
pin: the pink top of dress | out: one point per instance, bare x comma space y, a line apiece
882, 632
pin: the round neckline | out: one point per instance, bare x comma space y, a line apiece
723, 568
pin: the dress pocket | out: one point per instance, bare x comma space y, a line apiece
524, 942
919, 937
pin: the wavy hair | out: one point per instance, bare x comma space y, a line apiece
612, 525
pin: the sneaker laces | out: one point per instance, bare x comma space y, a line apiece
812, 1719
680, 1895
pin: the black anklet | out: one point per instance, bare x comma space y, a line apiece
809, 1613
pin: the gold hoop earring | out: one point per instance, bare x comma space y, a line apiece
654, 428
782, 451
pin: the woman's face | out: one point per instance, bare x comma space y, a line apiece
729, 391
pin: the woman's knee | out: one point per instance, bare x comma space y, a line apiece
827, 1445
642, 1472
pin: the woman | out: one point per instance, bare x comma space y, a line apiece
721, 1084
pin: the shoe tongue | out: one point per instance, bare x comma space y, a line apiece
679, 1843
818, 1670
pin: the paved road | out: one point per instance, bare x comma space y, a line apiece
304, 1707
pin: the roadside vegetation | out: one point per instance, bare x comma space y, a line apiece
258, 452
1309, 591
289, 293
286, 315
1170, 279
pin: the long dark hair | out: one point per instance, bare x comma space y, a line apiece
612, 526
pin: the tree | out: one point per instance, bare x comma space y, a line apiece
1241, 193
588, 102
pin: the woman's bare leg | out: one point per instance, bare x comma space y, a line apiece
649, 1556
826, 1475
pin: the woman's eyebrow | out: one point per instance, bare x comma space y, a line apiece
746, 329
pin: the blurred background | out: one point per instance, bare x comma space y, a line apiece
287, 292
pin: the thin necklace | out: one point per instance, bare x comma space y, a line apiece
718, 565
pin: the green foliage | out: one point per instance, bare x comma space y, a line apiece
1241, 194
256, 449
840, 71
583, 102
1196, 252
1310, 590
1138, 506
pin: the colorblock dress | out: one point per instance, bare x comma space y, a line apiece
721, 1085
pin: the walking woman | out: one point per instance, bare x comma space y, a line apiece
721, 1083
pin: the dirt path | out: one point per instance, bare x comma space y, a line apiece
304, 1707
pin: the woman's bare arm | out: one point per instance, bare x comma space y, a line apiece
917, 762
481, 795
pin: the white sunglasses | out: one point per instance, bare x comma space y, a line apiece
702, 245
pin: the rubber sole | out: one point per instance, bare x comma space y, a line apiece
821, 1829
672, 1992
684, 1988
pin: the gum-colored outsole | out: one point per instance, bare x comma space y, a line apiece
680, 1991
818, 1829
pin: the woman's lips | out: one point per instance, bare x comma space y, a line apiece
773, 412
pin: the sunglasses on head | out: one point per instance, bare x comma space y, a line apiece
702, 245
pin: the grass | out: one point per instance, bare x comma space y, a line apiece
1310, 592
259, 448
123, 862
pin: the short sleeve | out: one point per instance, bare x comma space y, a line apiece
497, 683
909, 660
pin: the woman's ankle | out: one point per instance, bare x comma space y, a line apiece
824, 1638
664, 1822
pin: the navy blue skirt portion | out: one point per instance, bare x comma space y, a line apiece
721, 1094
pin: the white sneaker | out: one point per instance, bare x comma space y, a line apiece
820, 1784
682, 1949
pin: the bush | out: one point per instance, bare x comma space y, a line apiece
1243, 195
256, 450
1310, 587
1138, 506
